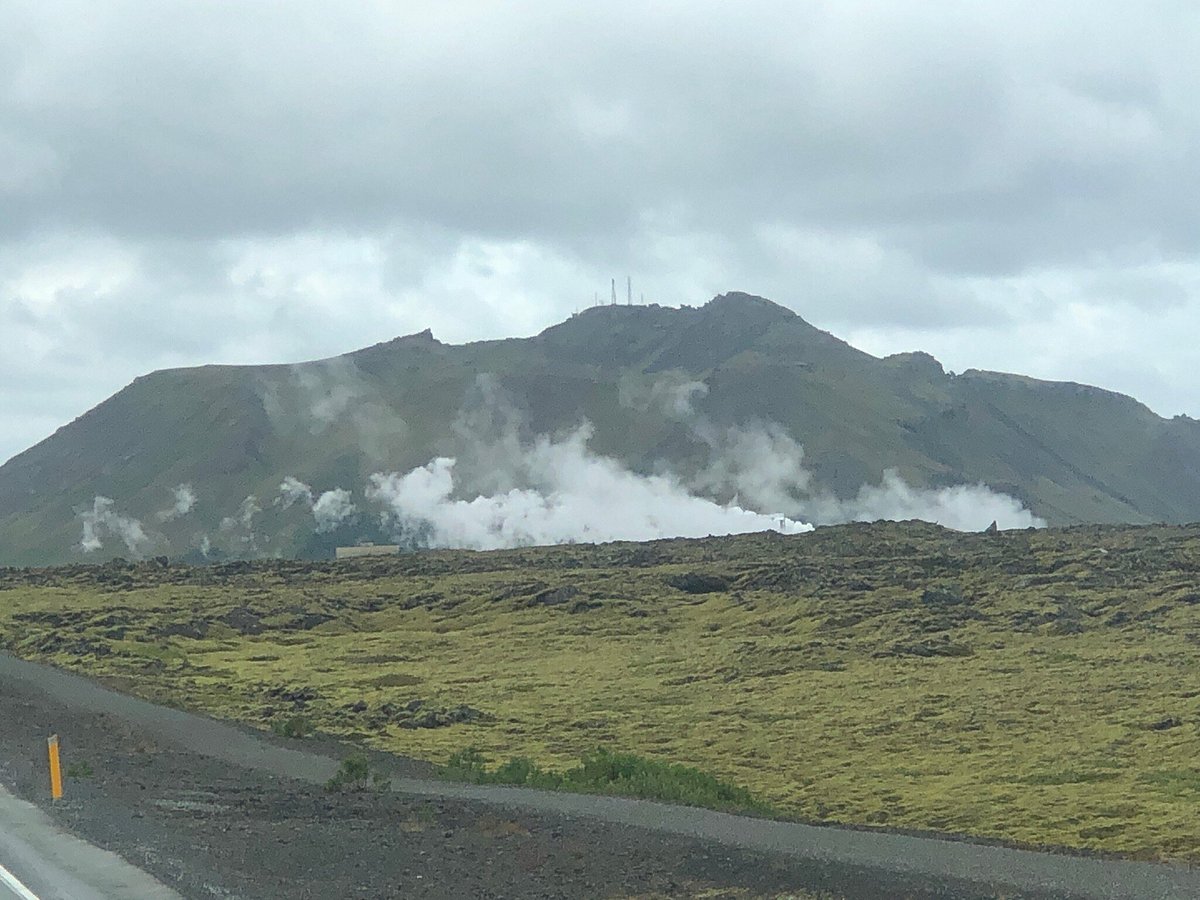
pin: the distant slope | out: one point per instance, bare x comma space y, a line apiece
1071, 453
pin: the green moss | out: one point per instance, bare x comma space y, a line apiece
801, 683
1068, 776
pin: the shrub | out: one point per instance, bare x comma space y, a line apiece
605, 772
293, 727
466, 762
353, 774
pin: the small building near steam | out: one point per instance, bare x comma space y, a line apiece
367, 550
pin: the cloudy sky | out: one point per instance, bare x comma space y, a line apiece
1007, 185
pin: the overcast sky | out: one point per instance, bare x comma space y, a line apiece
1007, 185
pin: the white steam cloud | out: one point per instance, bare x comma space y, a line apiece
185, 502
333, 508
244, 517
240, 526
965, 507
762, 466
573, 495
330, 509
102, 519
329, 389
505, 488
248, 509
333, 394
669, 394
294, 491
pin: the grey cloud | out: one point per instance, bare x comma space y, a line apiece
553, 126
224, 182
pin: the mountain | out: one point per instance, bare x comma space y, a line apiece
1069, 452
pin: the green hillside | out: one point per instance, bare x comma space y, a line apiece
1070, 453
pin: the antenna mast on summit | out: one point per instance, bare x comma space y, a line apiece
629, 290
613, 302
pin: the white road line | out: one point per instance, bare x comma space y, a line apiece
11, 882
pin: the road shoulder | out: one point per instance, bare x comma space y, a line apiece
52, 864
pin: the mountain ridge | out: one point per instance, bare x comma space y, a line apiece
1069, 452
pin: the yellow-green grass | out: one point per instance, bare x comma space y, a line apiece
1062, 707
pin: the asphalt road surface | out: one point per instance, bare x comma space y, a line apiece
11, 888
999, 870
40, 862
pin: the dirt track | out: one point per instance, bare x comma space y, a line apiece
213, 822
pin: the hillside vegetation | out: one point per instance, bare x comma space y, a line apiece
1070, 453
1031, 686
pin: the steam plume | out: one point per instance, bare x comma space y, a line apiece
103, 517
504, 487
294, 491
572, 495
241, 524
762, 466
330, 509
965, 507
669, 395
185, 502
334, 393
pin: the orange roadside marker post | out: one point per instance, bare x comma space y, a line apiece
55, 768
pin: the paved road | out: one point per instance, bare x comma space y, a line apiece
1000, 869
12, 888
40, 862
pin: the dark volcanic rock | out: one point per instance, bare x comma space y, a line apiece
943, 595
554, 596
307, 621
440, 718
427, 600
421, 714
1166, 724
196, 630
699, 583
936, 645
243, 620
297, 696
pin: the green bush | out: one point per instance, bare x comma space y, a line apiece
605, 772
465, 762
353, 775
293, 727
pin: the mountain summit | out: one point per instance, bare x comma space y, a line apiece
188, 455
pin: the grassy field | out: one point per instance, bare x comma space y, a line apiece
1036, 687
